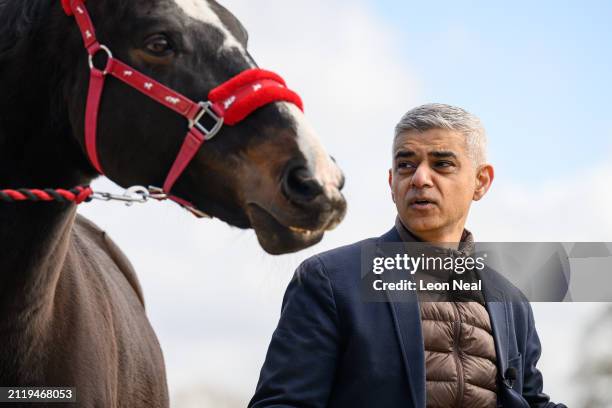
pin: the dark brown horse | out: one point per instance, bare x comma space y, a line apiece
71, 309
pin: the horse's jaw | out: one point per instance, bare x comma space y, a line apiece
277, 238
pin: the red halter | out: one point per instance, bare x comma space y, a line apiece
229, 103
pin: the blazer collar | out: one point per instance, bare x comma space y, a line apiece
466, 244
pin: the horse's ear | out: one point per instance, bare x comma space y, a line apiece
234, 24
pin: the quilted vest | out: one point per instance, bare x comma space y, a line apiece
459, 347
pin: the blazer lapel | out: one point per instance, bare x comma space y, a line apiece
407, 321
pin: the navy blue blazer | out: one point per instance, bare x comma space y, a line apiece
332, 349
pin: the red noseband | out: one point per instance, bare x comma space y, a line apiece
228, 104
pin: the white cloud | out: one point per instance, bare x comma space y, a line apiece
575, 208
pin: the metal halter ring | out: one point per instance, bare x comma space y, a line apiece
109, 56
207, 109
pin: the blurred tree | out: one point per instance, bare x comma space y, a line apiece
595, 371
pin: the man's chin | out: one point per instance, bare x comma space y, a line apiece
420, 225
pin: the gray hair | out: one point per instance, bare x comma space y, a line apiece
441, 116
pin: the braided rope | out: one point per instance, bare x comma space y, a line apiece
76, 195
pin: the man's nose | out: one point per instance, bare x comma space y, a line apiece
422, 176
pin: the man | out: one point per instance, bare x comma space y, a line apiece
333, 349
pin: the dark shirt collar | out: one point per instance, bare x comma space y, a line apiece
466, 248
466, 245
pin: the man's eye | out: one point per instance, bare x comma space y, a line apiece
158, 45
444, 164
404, 165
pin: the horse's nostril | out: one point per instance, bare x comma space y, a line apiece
299, 185
342, 182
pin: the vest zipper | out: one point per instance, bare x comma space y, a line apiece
457, 329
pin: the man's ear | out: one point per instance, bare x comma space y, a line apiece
484, 177
391, 184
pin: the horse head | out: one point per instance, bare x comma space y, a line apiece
268, 172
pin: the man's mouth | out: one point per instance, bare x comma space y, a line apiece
422, 204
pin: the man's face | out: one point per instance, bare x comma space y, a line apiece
433, 181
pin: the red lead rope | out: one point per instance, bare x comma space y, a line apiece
77, 195
81, 194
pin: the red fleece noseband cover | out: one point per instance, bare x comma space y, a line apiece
237, 98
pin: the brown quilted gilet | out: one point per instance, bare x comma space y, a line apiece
459, 347
459, 355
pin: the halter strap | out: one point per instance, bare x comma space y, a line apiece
229, 103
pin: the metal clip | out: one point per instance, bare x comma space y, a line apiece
135, 194
140, 194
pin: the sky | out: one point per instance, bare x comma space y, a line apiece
536, 74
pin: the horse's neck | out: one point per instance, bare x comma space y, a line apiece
37, 146
37, 150
34, 238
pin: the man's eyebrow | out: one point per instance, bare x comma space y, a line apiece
438, 154
443, 154
404, 154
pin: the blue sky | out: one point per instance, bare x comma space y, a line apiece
537, 73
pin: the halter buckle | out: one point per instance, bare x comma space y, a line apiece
207, 109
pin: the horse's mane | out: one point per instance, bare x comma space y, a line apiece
19, 19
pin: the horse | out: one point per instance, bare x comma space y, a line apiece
71, 306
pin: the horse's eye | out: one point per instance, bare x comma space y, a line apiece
158, 45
